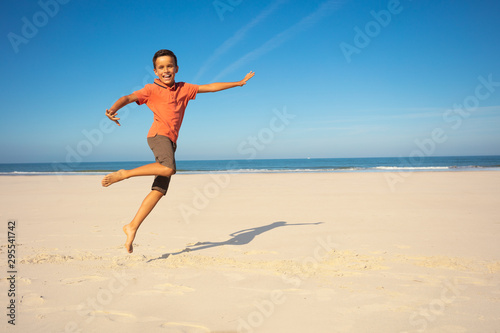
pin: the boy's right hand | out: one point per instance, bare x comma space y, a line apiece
247, 77
112, 115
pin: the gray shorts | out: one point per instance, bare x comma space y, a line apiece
163, 149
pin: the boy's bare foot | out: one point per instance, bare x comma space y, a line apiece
130, 238
113, 178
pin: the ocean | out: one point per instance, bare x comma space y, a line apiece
378, 164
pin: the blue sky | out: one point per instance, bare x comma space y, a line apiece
333, 78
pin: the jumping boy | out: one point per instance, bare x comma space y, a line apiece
168, 100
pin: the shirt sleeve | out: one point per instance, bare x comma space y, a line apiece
143, 94
192, 90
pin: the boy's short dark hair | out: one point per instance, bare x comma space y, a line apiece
162, 53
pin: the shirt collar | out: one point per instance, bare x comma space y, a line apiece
161, 84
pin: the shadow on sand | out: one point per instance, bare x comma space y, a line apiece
241, 237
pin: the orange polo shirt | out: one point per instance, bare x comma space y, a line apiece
168, 105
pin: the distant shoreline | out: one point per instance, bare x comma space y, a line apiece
233, 172
306, 165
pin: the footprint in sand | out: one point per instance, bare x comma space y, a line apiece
45, 258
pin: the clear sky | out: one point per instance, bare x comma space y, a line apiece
333, 78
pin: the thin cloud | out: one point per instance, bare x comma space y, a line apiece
324, 10
237, 37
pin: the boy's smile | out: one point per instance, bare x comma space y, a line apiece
166, 69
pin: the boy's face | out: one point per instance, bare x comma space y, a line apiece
166, 70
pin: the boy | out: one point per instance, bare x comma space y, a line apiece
168, 100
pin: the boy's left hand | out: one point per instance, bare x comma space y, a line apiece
112, 116
247, 77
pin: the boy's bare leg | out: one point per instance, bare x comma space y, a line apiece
153, 169
146, 207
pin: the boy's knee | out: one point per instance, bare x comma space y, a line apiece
167, 172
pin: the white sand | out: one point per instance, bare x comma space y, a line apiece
322, 252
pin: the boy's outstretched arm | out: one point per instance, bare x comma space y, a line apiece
218, 86
121, 102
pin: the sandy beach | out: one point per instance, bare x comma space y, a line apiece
291, 252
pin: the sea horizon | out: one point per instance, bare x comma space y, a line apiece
287, 165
